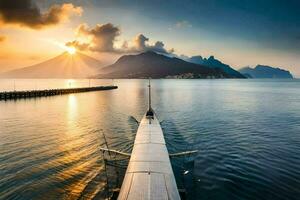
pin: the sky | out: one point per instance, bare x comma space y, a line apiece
237, 32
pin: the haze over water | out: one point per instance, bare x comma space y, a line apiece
247, 133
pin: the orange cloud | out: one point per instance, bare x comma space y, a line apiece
79, 46
102, 37
25, 13
2, 38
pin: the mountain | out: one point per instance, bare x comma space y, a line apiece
214, 63
151, 64
262, 71
65, 65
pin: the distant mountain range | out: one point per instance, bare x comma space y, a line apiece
143, 65
151, 64
214, 63
62, 66
262, 71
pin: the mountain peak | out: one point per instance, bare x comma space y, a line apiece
199, 56
155, 65
64, 65
211, 58
149, 53
262, 67
264, 71
211, 62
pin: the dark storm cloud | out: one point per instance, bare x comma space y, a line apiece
26, 13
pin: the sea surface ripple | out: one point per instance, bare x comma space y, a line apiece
247, 133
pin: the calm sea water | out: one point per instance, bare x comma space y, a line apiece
247, 133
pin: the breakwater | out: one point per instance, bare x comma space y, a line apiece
11, 95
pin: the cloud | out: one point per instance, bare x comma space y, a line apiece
2, 38
140, 42
140, 45
102, 38
79, 46
183, 24
25, 13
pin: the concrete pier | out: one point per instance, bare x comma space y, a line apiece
43, 93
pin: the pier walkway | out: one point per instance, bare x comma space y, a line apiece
12, 95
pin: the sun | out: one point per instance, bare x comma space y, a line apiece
71, 50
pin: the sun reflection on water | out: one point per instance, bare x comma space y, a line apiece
72, 108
